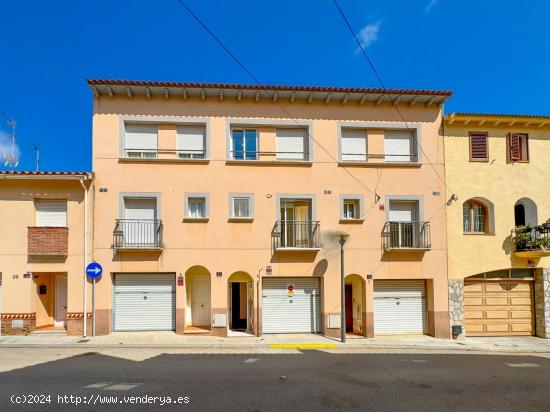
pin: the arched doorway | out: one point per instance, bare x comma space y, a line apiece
240, 303
198, 313
525, 212
355, 305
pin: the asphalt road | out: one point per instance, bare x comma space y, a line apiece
310, 380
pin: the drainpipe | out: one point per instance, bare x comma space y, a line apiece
85, 256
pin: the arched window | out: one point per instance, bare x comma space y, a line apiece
475, 217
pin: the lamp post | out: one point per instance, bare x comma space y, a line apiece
342, 242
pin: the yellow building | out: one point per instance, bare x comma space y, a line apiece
498, 239
42, 251
219, 209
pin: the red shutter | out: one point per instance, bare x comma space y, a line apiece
515, 146
478, 146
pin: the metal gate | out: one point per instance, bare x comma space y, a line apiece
144, 302
291, 305
399, 306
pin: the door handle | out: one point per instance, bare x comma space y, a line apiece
145, 298
64, 307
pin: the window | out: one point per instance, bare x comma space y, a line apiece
196, 206
191, 142
475, 217
51, 213
244, 145
353, 145
140, 141
398, 146
479, 146
291, 144
351, 207
241, 205
518, 147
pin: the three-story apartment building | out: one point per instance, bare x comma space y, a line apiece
498, 224
219, 209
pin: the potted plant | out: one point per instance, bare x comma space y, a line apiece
546, 224
521, 238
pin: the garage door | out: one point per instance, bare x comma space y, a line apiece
300, 313
498, 308
144, 301
399, 306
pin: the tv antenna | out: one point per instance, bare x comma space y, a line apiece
10, 159
36, 148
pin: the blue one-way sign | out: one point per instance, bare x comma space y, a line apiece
94, 270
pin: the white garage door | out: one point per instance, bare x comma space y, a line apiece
144, 301
300, 313
399, 306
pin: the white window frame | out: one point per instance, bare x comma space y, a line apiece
405, 134
186, 210
200, 156
360, 207
250, 197
244, 129
289, 156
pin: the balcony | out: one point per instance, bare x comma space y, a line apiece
295, 235
47, 241
138, 235
406, 236
531, 242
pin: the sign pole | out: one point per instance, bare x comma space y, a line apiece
93, 308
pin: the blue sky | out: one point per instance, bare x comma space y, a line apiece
494, 54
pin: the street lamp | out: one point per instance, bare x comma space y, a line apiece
342, 241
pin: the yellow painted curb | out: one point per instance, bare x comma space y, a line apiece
302, 346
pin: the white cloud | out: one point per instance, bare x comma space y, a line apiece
9, 155
369, 34
430, 6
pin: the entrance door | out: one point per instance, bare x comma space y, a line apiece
296, 223
60, 300
200, 305
239, 305
349, 308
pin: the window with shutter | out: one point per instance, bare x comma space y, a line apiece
140, 140
479, 146
291, 144
518, 147
191, 142
51, 213
353, 145
399, 146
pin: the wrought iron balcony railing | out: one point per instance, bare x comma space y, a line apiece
532, 239
295, 234
406, 236
137, 234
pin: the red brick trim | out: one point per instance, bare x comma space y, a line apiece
18, 316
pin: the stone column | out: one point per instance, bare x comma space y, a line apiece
542, 302
456, 304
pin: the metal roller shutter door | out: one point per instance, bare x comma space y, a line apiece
300, 313
399, 306
144, 302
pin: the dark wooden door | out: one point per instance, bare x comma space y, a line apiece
349, 308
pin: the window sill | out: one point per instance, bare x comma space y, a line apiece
196, 219
303, 163
477, 234
378, 164
351, 221
161, 160
240, 219
479, 160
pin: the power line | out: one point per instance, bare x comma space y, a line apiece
230, 53
381, 82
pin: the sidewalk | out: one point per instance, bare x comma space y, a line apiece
527, 344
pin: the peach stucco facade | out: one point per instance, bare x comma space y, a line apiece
220, 247
30, 263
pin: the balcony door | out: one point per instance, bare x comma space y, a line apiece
296, 223
401, 215
139, 226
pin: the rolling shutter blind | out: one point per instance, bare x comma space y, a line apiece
140, 138
514, 144
478, 146
291, 144
51, 213
354, 144
191, 140
398, 146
